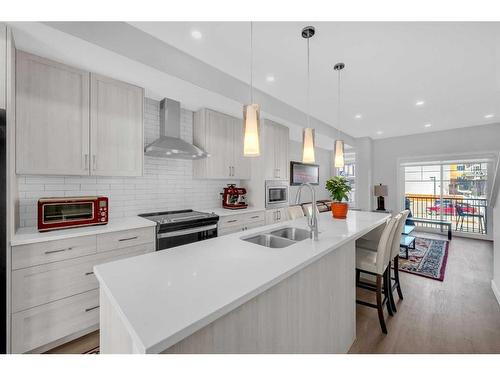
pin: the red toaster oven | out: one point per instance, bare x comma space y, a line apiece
70, 212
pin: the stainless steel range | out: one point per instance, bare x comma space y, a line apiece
175, 228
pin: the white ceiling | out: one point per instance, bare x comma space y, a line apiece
454, 67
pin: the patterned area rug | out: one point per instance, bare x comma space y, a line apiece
428, 259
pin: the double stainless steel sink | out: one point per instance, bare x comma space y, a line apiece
279, 238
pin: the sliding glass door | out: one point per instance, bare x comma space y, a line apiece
454, 191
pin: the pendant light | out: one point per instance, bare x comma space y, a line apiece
251, 115
338, 159
308, 133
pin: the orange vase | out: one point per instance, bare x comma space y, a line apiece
339, 210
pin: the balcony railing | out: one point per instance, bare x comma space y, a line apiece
467, 215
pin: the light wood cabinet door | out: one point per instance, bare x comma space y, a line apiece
268, 153
276, 142
219, 142
276, 215
116, 128
43, 324
241, 164
214, 132
281, 143
38, 253
34, 286
52, 117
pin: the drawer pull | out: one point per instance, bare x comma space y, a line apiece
58, 251
232, 221
89, 273
254, 217
91, 308
128, 239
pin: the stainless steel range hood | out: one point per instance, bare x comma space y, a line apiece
170, 145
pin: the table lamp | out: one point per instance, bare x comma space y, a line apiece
380, 191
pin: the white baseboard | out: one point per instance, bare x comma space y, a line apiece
496, 291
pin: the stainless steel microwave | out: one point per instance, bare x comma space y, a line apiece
276, 193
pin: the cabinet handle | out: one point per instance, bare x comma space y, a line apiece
94, 162
86, 161
279, 215
229, 171
89, 273
232, 221
233, 171
91, 308
58, 251
254, 217
127, 239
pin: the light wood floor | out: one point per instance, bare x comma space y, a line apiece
78, 346
458, 315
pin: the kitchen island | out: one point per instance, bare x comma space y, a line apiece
227, 295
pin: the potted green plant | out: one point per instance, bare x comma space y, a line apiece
338, 187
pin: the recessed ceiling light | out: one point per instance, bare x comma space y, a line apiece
196, 34
427, 125
490, 115
270, 78
419, 103
358, 116
380, 132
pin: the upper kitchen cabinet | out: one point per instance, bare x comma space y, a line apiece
52, 117
222, 137
116, 127
71, 122
276, 139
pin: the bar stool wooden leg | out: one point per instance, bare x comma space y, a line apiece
380, 308
396, 276
390, 289
386, 288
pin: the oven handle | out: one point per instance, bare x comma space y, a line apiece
186, 231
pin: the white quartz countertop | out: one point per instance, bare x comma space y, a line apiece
165, 296
31, 234
227, 212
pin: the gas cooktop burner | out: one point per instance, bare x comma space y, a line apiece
171, 217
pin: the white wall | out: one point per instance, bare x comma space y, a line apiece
324, 160
167, 184
496, 249
465, 140
364, 169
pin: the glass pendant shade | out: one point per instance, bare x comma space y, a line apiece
308, 146
251, 129
338, 159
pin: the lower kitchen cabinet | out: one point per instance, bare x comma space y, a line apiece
55, 296
34, 286
276, 215
240, 222
41, 325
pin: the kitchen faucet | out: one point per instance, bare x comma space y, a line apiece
312, 220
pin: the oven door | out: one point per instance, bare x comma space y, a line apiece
276, 196
64, 214
167, 240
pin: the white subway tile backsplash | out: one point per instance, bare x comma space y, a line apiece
167, 184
